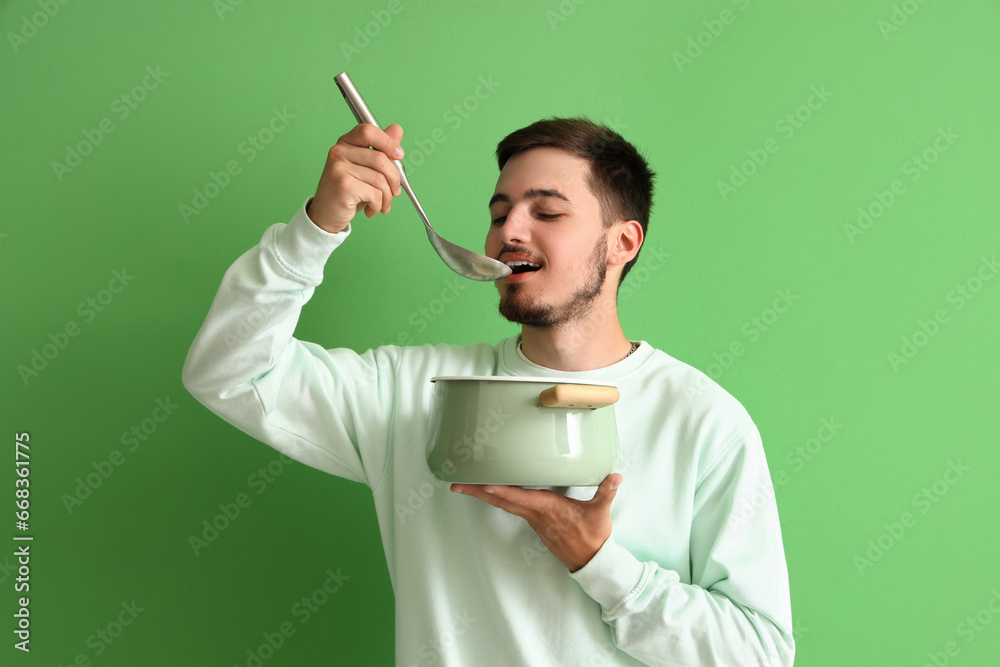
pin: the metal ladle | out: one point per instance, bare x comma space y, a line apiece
464, 262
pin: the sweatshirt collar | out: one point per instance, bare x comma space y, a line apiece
513, 362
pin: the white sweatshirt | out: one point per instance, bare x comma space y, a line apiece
693, 574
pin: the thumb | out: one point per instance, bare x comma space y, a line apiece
608, 489
395, 131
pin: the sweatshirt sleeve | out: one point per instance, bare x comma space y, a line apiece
325, 408
737, 610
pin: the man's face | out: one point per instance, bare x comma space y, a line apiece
543, 212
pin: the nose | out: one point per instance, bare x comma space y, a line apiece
516, 228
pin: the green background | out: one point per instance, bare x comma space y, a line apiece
889, 89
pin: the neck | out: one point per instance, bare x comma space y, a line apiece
592, 341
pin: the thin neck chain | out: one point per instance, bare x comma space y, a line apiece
635, 346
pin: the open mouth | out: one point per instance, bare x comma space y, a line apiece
522, 267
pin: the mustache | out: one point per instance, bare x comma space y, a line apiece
515, 249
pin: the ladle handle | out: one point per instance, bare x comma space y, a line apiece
365, 115
355, 101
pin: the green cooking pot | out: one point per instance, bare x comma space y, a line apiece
523, 431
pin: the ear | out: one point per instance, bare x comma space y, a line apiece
624, 241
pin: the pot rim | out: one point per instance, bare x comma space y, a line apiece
517, 378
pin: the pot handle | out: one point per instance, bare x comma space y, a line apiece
578, 396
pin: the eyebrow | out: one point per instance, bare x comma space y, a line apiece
533, 193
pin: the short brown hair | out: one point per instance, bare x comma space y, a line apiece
619, 176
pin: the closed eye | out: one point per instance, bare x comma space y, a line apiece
543, 216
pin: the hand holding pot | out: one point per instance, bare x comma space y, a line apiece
572, 530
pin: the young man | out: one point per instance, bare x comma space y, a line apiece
676, 559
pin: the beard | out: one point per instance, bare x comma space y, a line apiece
530, 311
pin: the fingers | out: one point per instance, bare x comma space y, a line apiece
493, 498
512, 499
372, 168
385, 141
375, 167
535, 499
396, 133
357, 178
522, 502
